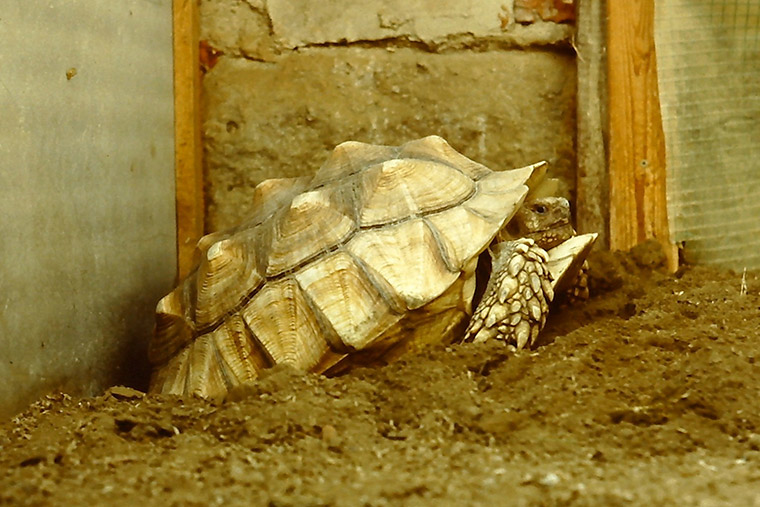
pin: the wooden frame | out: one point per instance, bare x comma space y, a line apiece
592, 186
187, 133
637, 171
622, 194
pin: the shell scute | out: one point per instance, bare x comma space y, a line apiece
175, 324
407, 256
311, 223
357, 309
238, 354
283, 325
401, 188
227, 274
205, 376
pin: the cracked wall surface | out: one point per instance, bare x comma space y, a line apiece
287, 80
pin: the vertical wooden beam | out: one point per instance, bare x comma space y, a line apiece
638, 206
187, 133
592, 187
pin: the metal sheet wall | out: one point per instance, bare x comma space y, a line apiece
86, 191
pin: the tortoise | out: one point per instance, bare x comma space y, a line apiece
384, 250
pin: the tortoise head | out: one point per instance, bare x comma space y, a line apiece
546, 220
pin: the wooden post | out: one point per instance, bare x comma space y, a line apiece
592, 187
187, 133
638, 206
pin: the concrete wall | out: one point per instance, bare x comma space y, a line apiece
287, 80
86, 192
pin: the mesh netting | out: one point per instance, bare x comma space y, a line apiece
708, 58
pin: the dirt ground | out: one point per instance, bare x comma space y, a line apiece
647, 394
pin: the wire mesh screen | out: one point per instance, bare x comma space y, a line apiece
708, 58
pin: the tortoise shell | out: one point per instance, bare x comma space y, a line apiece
374, 255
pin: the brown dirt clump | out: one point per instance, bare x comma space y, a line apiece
645, 394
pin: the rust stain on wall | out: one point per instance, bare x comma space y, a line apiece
558, 11
208, 55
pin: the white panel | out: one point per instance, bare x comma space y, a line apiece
86, 191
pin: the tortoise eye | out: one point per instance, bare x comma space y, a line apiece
539, 208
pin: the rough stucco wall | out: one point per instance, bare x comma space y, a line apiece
289, 81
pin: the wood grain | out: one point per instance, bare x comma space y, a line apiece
638, 206
187, 133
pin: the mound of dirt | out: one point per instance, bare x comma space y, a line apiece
647, 393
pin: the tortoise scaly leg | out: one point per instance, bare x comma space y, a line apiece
516, 301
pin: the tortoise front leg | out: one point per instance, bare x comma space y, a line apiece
516, 300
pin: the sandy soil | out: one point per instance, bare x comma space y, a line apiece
647, 394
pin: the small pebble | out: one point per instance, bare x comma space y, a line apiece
549, 480
330, 435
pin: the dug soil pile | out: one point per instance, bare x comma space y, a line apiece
646, 394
